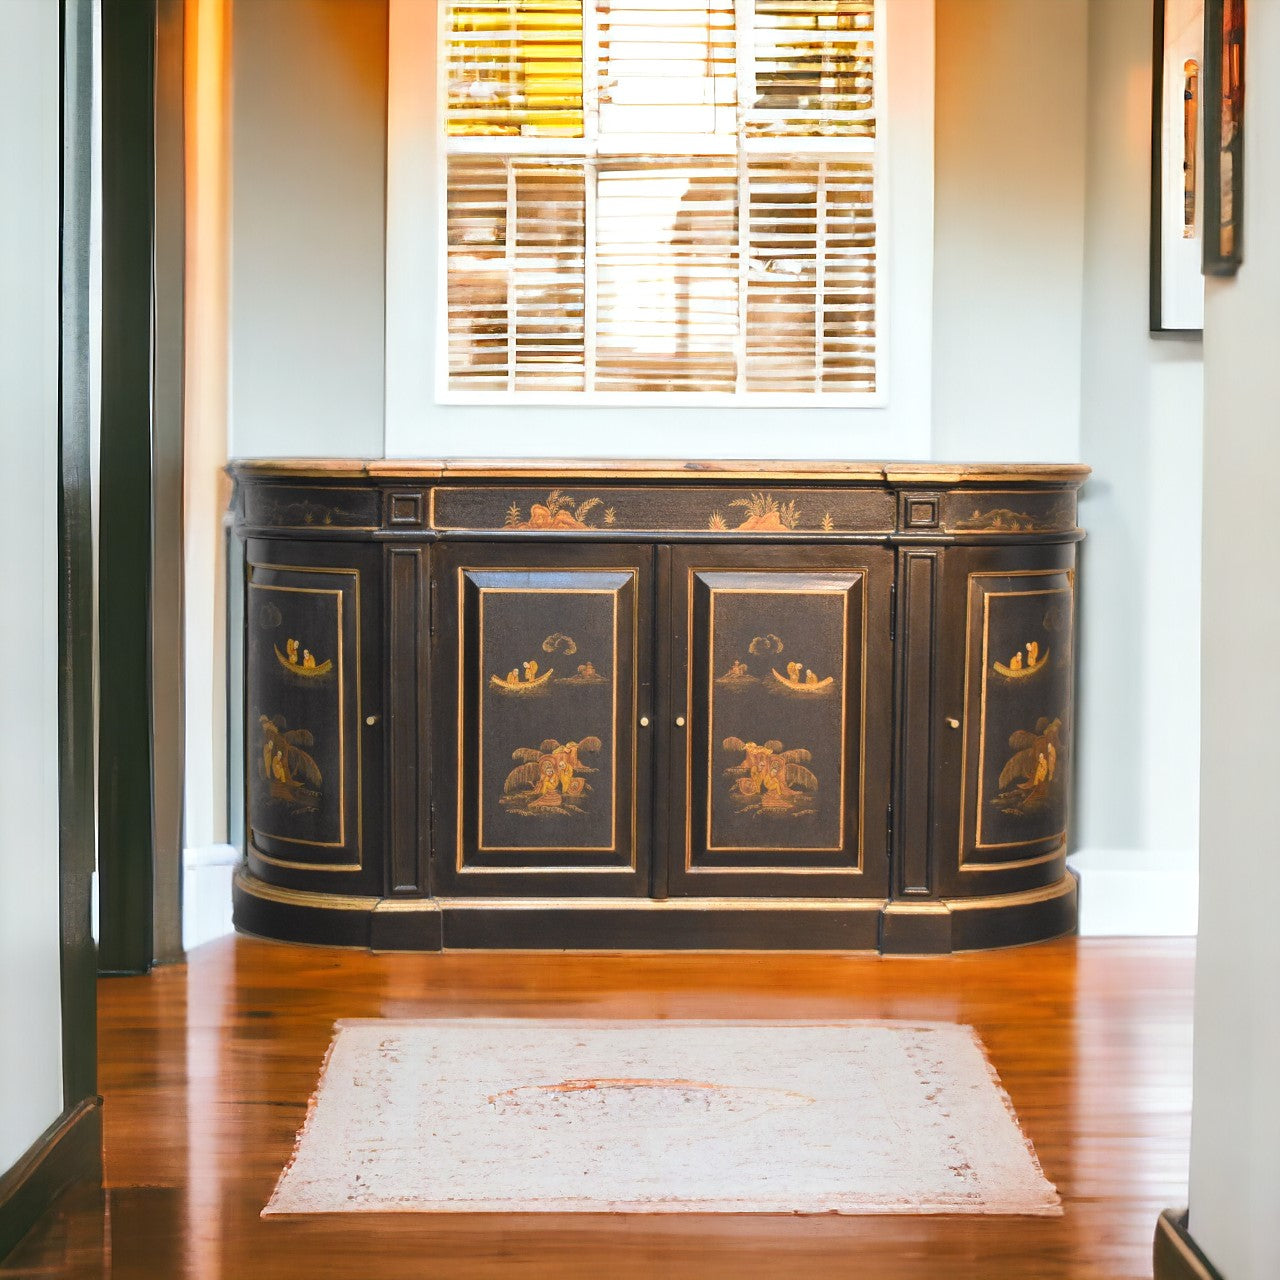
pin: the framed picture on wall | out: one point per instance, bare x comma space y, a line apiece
1177, 167
1223, 136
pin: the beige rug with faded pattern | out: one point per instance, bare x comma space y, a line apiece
481, 1115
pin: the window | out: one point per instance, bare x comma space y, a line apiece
647, 198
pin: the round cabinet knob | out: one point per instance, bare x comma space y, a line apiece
371, 720
953, 722
644, 722
679, 722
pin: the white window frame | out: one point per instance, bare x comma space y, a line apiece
425, 418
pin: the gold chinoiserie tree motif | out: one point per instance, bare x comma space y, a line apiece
1028, 776
771, 780
292, 773
547, 781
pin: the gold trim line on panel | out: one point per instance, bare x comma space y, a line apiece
979, 804
338, 594
358, 621
1027, 897
841, 593
661, 906
775, 868
855, 576
254, 852
250, 884
966, 718
1059, 852
613, 594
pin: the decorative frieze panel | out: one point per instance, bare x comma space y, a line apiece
312, 507
711, 511
1008, 511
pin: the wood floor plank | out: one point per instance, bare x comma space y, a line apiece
207, 1068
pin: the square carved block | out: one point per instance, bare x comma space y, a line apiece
404, 510
920, 512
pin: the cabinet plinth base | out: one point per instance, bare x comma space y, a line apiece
684, 924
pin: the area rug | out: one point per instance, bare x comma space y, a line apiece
528, 1115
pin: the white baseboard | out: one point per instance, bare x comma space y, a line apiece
206, 893
1137, 893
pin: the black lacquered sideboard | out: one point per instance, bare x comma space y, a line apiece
621, 704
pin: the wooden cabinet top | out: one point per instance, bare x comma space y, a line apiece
651, 500
937, 474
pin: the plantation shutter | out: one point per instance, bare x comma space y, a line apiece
667, 270
650, 197
667, 67
810, 312
813, 69
516, 273
514, 68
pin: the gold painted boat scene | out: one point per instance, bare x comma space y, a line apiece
302, 662
1018, 668
531, 680
801, 679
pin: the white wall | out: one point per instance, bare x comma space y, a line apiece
1235, 1127
1140, 429
30, 159
309, 103
1009, 229
208, 858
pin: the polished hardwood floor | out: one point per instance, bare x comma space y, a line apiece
207, 1067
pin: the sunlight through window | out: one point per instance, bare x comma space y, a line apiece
647, 197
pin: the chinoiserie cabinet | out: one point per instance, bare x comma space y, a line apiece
646, 704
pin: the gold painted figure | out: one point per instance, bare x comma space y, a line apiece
738, 673
513, 682
308, 666
801, 679
547, 778
587, 674
1017, 669
1028, 775
770, 779
293, 774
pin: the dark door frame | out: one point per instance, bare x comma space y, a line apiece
140, 778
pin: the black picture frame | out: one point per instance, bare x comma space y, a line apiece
1224, 34
1176, 282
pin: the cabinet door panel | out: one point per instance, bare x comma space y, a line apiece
1004, 794
311, 614
783, 674
543, 690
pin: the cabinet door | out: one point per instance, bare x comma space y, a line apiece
312, 683
541, 770
1006, 677
780, 716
